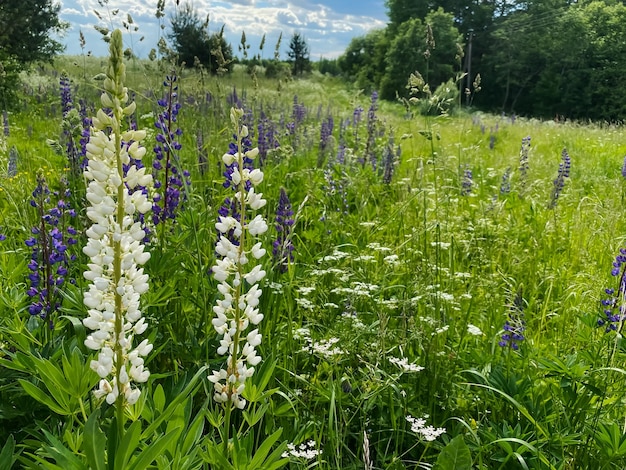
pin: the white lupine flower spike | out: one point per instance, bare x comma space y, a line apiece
115, 246
237, 309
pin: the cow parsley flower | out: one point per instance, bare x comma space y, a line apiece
237, 308
428, 433
114, 244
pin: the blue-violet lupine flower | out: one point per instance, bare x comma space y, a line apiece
114, 245
505, 184
12, 163
167, 199
559, 181
523, 163
624, 168
391, 157
50, 258
515, 326
282, 249
371, 130
237, 309
615, 304
467, 183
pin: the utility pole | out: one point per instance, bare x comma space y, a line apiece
469, 67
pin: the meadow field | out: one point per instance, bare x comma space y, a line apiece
433, 290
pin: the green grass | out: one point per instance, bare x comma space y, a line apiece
381, 271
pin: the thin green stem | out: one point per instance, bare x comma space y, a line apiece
117, 273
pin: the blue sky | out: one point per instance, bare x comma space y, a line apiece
326, 25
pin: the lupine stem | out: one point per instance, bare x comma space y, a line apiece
117, 262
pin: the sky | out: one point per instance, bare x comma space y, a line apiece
326, 25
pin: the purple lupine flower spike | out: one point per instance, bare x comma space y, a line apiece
559, 182
467, 183
371, 131
50, 240
523, 163
282, 249
168, 198
515, 325
614, 304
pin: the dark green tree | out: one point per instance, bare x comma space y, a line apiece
193, 44
411, 50
298, 54
363, 62
26, 30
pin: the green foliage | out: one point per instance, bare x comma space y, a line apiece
26, 30
362, 61
194, 45
455, 455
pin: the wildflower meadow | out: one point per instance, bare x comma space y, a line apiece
239, 272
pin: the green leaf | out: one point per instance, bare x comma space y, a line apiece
159, 398
150, 453
131, 441
455, 455
182, 396
94, 442
42, 397
193, 434
61, 454
6, 456
259, 459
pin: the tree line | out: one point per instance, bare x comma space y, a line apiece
541, 58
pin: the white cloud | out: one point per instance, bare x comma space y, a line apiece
327, 31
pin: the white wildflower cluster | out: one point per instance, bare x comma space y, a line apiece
306, 450
405, 365
474, 330
360, 289
237, 309
115, 246
325, 347
428, 433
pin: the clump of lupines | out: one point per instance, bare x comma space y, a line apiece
282, 249
515, 325
167, 198
72, 125
51, 238
559, 181
372, 120
505, 184
326, 132
390, 154
267, 139
467, 183
238, 282
523, 163
615, 304
12, 163
114, 245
